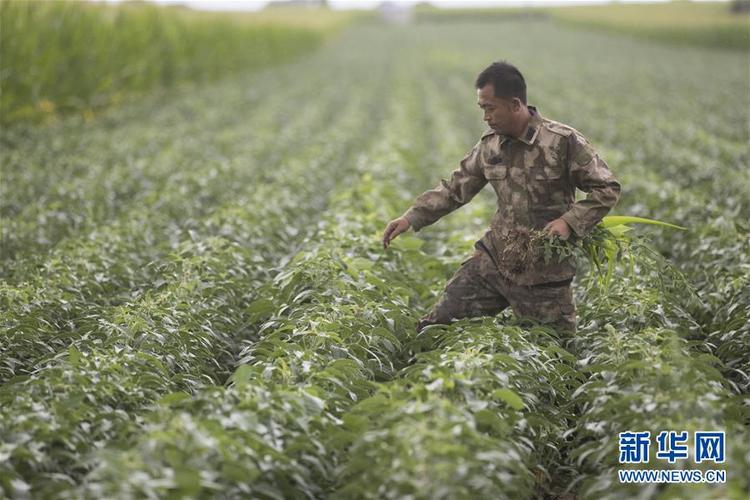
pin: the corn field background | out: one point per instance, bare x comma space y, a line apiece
195, 302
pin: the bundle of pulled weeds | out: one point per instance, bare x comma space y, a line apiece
523, 248
603, 246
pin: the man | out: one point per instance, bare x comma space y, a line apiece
534, 165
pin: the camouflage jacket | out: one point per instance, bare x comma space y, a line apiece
535, 178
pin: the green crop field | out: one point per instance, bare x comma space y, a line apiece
677, 22
79, 56
195, 301
710, 24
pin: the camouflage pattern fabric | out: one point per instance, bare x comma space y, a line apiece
479, 289
535, 178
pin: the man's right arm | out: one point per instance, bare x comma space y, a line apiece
465, 182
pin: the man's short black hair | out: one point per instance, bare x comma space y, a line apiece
505, 78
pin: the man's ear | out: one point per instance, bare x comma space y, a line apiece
516, 104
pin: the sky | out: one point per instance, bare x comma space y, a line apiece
368, 4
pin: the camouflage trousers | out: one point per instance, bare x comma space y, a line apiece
478, 289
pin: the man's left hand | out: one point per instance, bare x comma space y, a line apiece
558, 227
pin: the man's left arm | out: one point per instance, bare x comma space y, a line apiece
590, 174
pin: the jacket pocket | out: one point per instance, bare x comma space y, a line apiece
547, 174
548, 187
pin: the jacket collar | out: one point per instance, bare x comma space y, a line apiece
531, 131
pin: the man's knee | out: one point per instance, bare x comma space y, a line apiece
442, 313
447, 310
551, 306
467, 294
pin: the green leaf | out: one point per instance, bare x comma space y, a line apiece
511, 398
489, 420
360, 264
243, 374
617, 220
173, 397
408, 243
261, 308
74, 355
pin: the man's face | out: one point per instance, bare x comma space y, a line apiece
499, 112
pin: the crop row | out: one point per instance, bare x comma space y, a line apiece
490, 407
116, 261
167, 162
179, 333
305, 363
115, 264
313, 392
334, 395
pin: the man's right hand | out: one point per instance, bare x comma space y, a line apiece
394, 228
